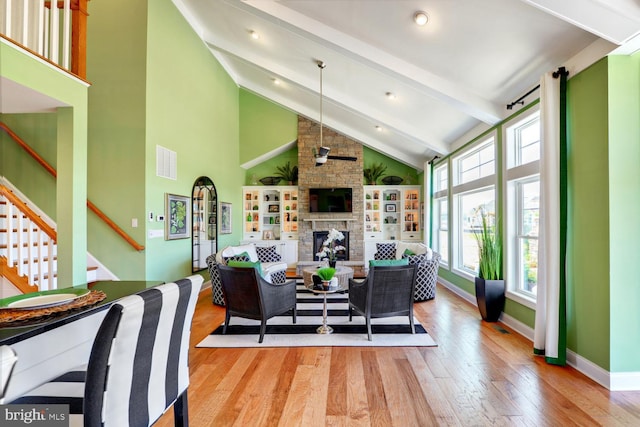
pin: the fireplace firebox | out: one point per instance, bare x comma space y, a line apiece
320, 236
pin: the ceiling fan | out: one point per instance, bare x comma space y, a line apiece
322, 154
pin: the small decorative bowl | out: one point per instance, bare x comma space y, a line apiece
392, 180
270, 180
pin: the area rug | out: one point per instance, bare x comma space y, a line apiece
282, 332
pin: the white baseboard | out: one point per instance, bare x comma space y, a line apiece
614, 381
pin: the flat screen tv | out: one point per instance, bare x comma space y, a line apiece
330, 200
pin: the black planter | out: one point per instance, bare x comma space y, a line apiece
490, 298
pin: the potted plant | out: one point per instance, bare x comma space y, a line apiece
490, 286
326, 274
374, 172
288, 173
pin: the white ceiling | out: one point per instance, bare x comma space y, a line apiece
452, 77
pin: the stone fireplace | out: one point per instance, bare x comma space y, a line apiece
333, 174
320, 236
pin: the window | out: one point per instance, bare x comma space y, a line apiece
473, 195
440, 178
528, 221
475, 164
522, 148
441, 228
440, 223
471, 207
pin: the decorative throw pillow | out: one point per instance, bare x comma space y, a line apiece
408, 252
387, 262
240, 257
385, 250
246, 264
415, 259
268, 254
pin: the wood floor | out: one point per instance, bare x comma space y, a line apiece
480, 374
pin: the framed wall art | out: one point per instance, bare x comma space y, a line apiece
177, 217
225, 218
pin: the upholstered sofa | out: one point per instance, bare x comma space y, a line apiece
418, 253
273, 271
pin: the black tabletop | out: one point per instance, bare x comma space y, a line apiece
114, 291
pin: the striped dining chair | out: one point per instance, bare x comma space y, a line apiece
138, 366
8, 360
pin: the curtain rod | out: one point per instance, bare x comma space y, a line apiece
560, 71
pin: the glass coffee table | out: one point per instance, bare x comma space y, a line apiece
336, 286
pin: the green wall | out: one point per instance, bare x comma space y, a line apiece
624, 211
193, 109
588, 215
394, 167
268, 167
154, 83
266, 126
116, 66
39, 132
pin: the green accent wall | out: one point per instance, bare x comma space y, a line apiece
588, 215
116, 66
193, 109
624, 211
394, 168
40, 133
269, 167
173, 93
266, 126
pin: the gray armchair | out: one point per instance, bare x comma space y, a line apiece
427, 275
386, 292
248, 295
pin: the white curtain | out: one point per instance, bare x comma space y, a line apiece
550, 327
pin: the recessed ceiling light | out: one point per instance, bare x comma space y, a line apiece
254, 35
420, 18
390, 95
276, 82
379, 128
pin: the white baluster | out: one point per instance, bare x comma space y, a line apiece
54, 38
50, 264
20, 242
30, 258
7, 19
66, 34
40, 42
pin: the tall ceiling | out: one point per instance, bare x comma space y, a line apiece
451, 78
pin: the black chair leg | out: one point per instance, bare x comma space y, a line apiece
263, 328
369, 328
413, 328
181, 411
227, 316
295, 313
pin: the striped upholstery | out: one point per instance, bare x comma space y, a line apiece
8, 360
138, 365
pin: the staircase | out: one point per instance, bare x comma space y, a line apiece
28, 250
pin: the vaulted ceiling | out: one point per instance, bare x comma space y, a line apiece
450, 78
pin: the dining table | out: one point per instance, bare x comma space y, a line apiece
51, 345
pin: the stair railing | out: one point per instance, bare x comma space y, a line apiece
53, 172
54, 30
30, 245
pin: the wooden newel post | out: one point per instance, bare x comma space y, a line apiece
79, 38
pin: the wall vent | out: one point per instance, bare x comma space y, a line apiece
166, 163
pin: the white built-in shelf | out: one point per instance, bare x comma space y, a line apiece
314, 220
